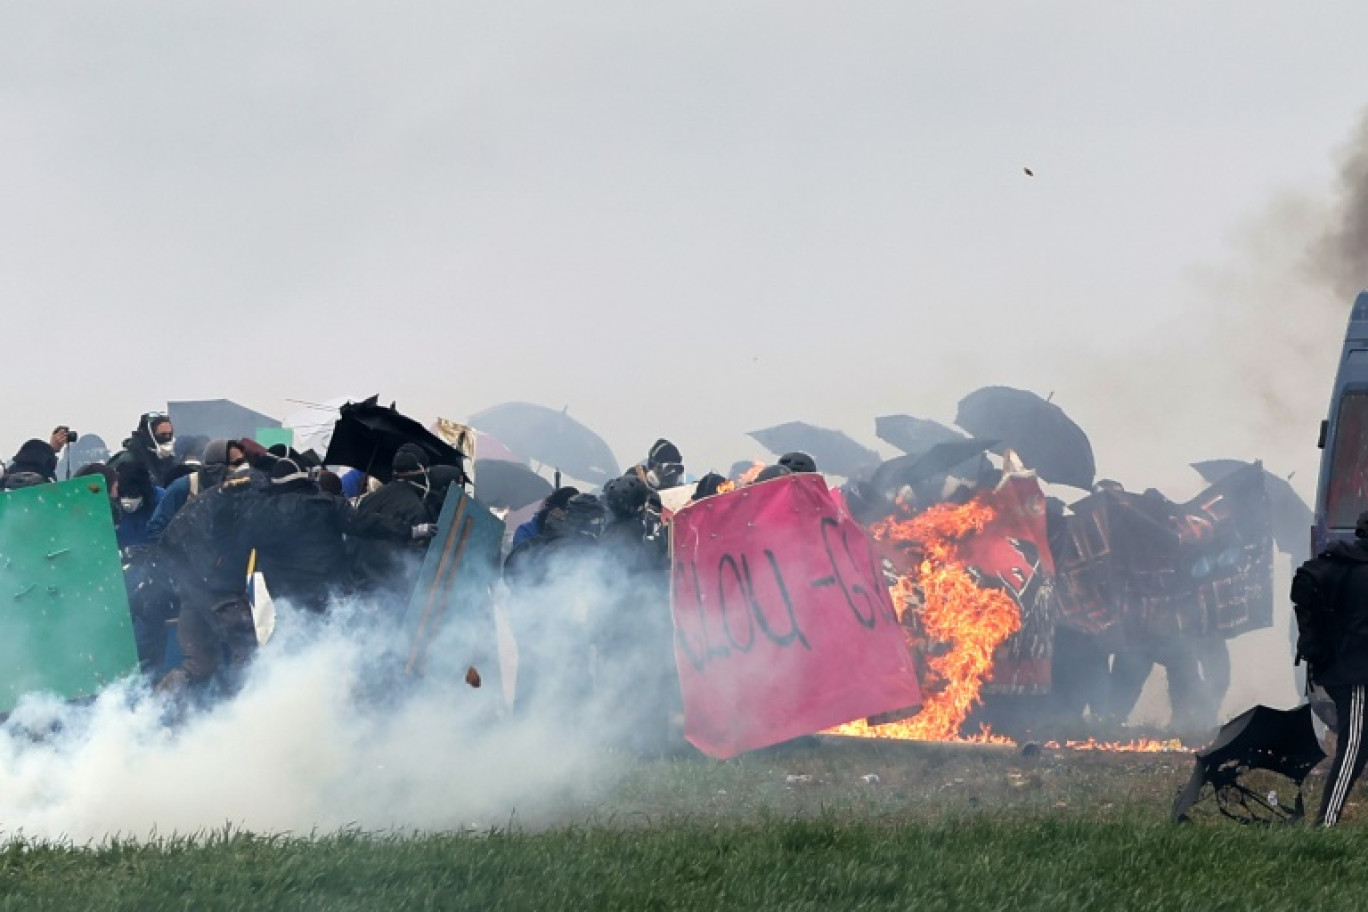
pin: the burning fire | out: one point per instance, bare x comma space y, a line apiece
959, 626
949, 609
745, 478
1139, 745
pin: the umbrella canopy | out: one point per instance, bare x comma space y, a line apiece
367, 436
500, 483
1280, 740
938, 460
1045, 438
834, 452
549, 437
1290, 515
913, 435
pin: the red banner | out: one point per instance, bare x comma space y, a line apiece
783, 622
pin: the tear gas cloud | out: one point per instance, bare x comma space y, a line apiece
327, 733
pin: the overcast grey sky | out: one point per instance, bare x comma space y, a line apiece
688, 219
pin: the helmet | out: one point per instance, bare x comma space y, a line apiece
583, 514
770, 472
798, 461
626, 496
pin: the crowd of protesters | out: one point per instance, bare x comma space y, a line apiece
587, 577
189, 525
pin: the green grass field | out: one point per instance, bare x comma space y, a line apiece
827, 826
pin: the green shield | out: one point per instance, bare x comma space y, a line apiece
64, 621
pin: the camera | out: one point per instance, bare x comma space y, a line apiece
71, 436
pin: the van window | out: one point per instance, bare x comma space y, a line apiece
1347, 494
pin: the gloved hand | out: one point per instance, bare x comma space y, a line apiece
424, 531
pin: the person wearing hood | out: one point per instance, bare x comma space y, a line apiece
1330, 597
299, 533
138, 498
34, 464
153, 444
414, 497
663, 468
202, 557
221, 459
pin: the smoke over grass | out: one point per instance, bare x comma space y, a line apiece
323, 735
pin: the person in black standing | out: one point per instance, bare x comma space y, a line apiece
1330, 597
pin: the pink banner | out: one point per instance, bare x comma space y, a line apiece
783, 623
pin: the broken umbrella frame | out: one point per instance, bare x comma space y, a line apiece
1280, 741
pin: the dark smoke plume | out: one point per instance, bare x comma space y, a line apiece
1341, 254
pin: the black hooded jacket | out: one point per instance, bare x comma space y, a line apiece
382, 565
34, 464
204, 548
141, 447
299, 533
1343, 626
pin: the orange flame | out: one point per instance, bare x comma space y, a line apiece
1139, 745
960, 625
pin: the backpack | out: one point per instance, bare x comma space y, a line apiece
1316, 589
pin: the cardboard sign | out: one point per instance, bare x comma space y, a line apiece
783, 623
64, 619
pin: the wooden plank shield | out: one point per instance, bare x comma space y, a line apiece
449, 625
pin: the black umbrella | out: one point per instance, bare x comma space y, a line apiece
834, 452
938, 460
1282, 741
549, 437
913, 435
500, 483
1045, 438
367, 436
1290, 515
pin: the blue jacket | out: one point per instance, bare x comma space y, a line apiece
529, 529
172, 499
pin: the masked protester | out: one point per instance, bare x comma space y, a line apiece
387, 570
299, 534
221, 459
203, 555
137, 498
663, 468
152, 443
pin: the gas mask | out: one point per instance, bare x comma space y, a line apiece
665, 475
167, 449
130, 504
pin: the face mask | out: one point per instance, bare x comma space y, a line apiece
666, 475
130, 504
168, 449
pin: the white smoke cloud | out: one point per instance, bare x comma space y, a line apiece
314, 741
